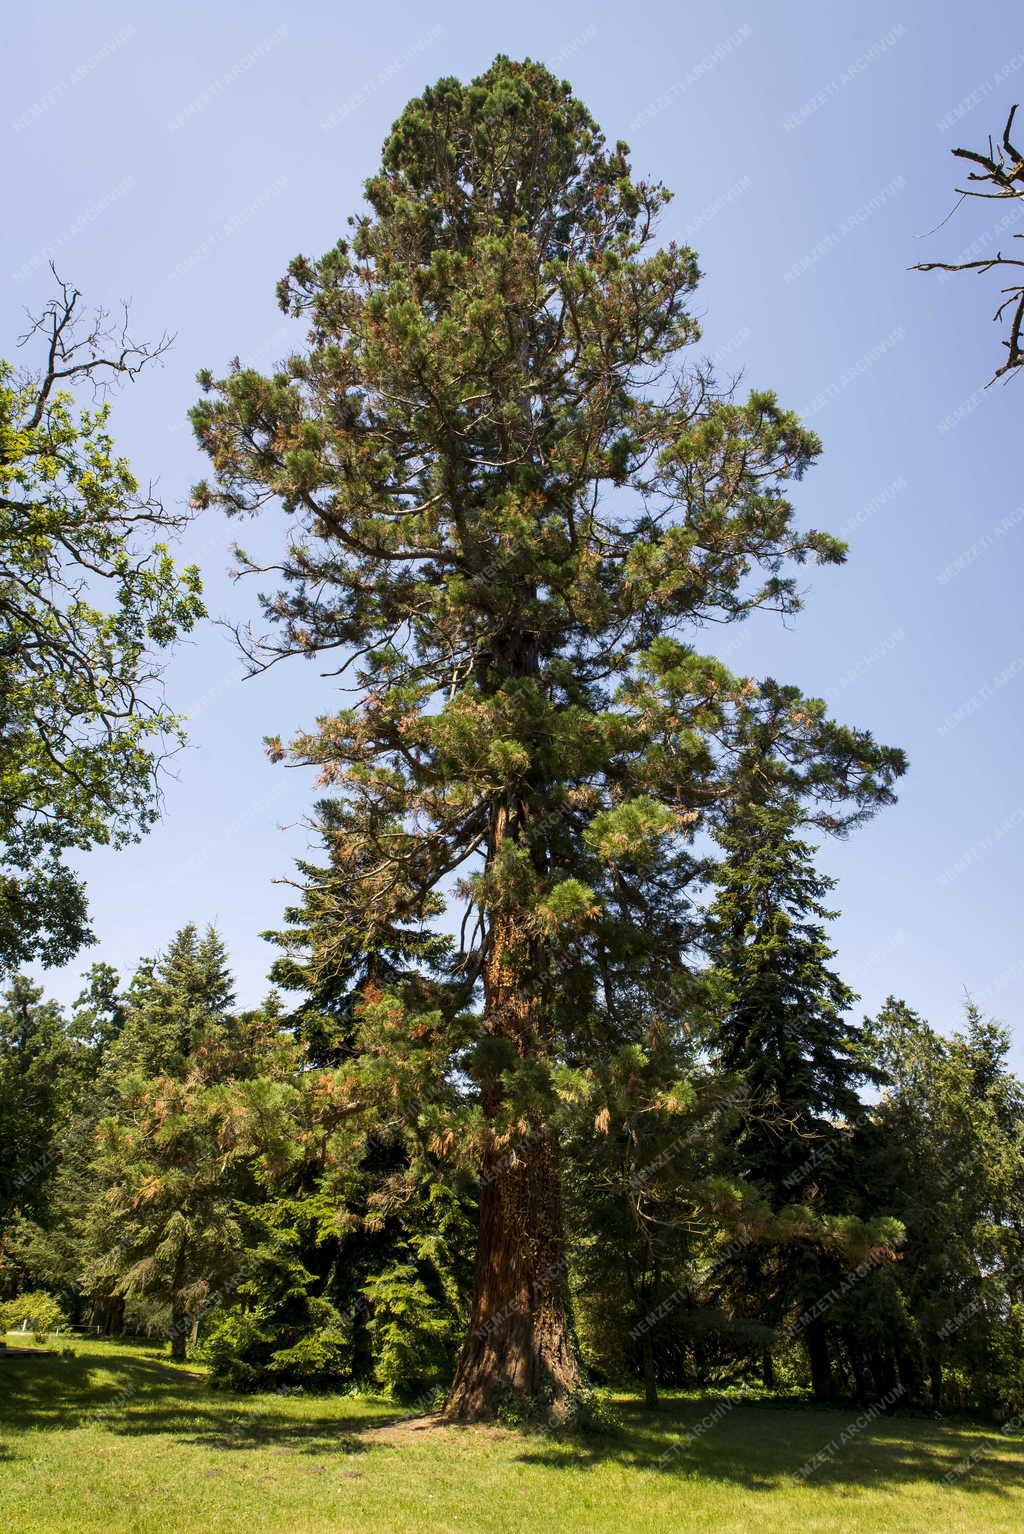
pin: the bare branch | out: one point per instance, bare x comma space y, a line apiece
1001, 169
96, 348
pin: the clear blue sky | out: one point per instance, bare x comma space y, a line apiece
180, 155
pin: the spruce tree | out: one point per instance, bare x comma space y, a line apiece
170, 1155
783, 1029
511, 507
173, 1001
783, 1025
651, 1203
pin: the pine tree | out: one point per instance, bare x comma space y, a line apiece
356, 1264
511, 506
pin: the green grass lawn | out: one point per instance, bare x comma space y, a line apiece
169, 1455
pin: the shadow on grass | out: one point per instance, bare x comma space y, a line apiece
132, 1393
762, 1446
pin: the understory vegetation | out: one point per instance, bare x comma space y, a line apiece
178, 1174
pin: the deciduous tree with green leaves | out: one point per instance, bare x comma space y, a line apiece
42, 1066
55, 1085
512, 509
944, 1153
86, 601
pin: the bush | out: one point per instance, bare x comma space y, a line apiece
584, 1410
35, 1311
258, 1349
237, 1350
411, 1336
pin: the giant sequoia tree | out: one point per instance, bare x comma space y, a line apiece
511, 508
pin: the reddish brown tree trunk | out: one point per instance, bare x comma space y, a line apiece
114, 1319
520, 1339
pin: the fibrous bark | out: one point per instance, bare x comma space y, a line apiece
520, 1340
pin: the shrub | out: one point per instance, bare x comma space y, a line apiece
257, 1349
35, 1311
411, 1336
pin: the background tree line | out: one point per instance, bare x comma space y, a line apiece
178, 1169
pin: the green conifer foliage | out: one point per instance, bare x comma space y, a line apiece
511, 508
186, 994
783, 1030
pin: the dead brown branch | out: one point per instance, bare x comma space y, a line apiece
1002, 170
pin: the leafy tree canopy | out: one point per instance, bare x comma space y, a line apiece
86, 599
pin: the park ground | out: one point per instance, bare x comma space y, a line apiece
117, 1438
